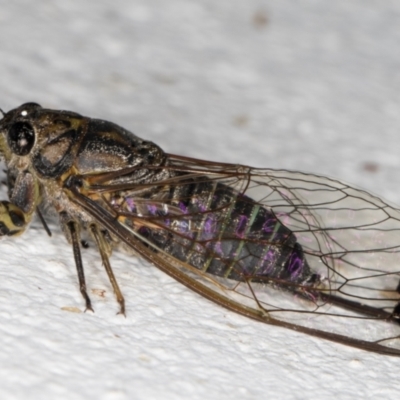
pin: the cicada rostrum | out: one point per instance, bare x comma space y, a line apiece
285, 248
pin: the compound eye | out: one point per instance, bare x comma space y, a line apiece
21, 138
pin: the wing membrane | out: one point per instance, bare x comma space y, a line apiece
349, 238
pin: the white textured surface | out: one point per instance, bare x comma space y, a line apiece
315, 88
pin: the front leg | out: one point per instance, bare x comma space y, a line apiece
13, 221
71, 231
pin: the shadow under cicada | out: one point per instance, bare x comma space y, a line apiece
295, 250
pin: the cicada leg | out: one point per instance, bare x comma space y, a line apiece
102, 246
75, 239
43, 221
12, 219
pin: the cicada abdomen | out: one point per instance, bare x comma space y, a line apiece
219, 231
272, 236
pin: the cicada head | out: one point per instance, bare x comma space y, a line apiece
42, 141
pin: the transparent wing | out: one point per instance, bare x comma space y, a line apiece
348, 238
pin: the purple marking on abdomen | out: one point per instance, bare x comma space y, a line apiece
182, 207
152, 209
209, 228
202, 207
268, 263
218, 249
241, 226
269, 225
131, 204
295, 266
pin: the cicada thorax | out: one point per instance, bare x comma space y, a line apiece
220, 231
45, 148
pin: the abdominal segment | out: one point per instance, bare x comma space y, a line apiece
217, 230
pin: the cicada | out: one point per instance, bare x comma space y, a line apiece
291, 249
